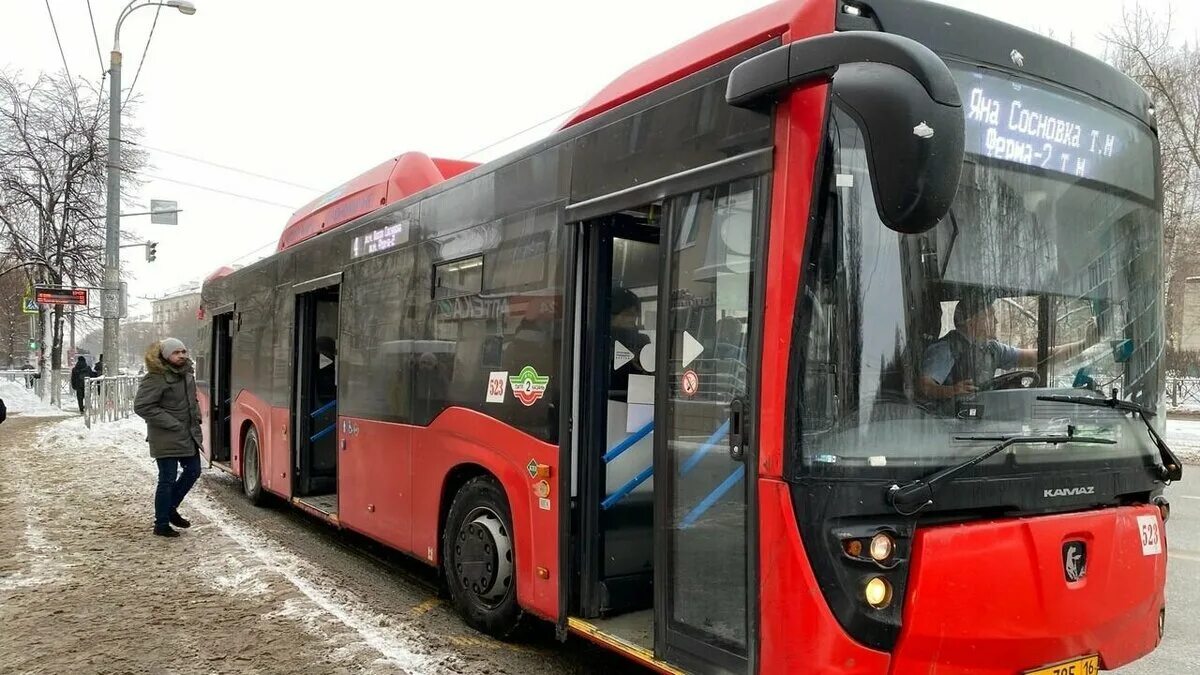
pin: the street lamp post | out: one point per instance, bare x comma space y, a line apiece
110, 298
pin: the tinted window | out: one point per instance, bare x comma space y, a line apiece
461, 277
373, 353
494, 313
690, 130
254, 330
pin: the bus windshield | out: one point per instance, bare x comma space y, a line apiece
1044, 278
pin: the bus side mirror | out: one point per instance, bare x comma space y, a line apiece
900, 93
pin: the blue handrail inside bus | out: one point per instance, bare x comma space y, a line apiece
718, 492
628, 442
623, 491
704, 448
322, 433
324, 408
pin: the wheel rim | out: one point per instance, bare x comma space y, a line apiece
483, 557
250, 477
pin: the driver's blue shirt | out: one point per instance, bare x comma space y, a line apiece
938, 360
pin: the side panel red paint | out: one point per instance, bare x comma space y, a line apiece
374, 481
391, 478
992, 597
798, 632
248, 408
203, 399
277, 456
460, 436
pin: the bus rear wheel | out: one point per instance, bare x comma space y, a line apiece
251, 468
478, 559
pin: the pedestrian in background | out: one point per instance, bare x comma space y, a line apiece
79, 373
166, 399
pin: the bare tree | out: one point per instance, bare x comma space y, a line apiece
1144, 47
53, 145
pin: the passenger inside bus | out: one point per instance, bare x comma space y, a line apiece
626, 331
966, 359
730, 339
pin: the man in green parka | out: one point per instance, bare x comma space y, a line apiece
166, 399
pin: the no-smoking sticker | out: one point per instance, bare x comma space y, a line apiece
691, 383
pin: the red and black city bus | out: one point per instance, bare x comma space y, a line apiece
827, 341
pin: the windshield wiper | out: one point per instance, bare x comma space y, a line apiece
910, 498
1171, 468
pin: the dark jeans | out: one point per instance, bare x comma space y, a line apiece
79, 397
173, 486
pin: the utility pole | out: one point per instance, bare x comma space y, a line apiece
110, 300
112, 211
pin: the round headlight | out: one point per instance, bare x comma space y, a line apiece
878, 593
882, 547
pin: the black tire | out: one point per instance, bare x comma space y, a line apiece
252, 469
479, 559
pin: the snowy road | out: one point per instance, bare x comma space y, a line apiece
84, 587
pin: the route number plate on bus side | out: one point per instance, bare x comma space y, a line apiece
1148, 532
1086, 665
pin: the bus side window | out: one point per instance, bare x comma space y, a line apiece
818, 402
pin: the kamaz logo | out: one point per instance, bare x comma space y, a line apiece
1069, 492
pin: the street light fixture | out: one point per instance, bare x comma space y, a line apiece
183, 6
111, 297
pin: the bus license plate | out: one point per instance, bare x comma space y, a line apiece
1086, 665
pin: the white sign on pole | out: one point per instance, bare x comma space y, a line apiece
110, 304
159, 209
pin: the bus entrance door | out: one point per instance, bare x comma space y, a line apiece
617, 495
666, 450
221, 401
315, 413
705, 451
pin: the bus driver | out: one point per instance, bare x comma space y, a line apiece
968, 356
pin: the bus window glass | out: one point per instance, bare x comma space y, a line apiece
495, 312
1036, 282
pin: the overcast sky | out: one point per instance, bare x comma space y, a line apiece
313, 93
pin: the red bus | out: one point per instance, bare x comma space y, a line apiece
829, 340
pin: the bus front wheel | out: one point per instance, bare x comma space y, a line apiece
251, 468
478, 559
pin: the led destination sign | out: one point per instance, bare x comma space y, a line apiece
1015, 121
382, 238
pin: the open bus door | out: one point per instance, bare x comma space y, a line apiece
221, 394
315, 395
666, 456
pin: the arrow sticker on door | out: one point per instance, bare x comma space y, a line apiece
621, 355
691, 349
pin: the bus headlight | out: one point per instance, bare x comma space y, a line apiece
882, 547
878, 592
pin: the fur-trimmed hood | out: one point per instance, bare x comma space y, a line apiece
156, 364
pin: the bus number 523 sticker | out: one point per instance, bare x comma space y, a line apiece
1148, 531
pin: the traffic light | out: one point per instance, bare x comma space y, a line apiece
151, 251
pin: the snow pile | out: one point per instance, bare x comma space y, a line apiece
20, 400
71, 434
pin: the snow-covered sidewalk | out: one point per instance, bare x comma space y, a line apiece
1183, 435
85, 587
20, 400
